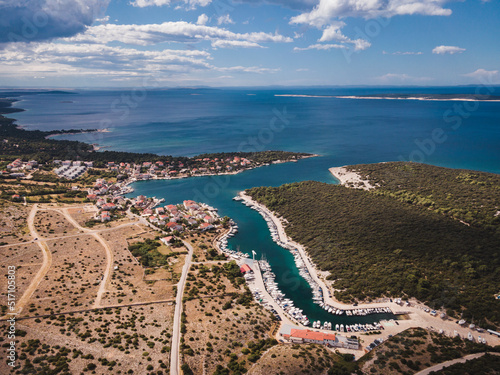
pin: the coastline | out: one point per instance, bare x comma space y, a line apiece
429, 99
81, 132
128, 182
311, 267
417, 312
350, 178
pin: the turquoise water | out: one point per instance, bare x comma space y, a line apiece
342, 131
253, 232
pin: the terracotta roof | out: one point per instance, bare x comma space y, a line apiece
311, 335
245, 268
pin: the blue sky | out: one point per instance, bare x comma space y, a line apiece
156, 43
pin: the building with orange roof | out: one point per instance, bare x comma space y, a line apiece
299, 336
313, 337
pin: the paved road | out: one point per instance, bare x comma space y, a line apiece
440, 366
176, 335
47, 261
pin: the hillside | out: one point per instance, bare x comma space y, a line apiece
470, 196
376, 245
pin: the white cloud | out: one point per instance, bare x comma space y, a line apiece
293, 4
101, 57
169, 32
103, 19
225, 19
190, 4
395, 78
328, 10
441, 50
402, 53
249, 69
36, 20
484, 76
202, 19
321, 47
333, 33
234, 44
361, 44
60, 60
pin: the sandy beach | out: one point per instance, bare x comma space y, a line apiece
350, 178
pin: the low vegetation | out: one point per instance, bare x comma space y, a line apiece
485, 365
375, 245
414, 350
148, 254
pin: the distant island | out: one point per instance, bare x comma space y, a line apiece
428, 97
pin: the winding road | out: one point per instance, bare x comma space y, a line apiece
107, 248
47, 261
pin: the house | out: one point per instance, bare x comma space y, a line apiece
206, 226
153, 219
313, 337
16, 197
245, 268
174, 226
300, 336
105, 216
171, 208
348, 342
92, 197
208, 219
108, 206
189, 203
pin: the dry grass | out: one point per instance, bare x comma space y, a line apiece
217, 334
73, 279
213, 334
27, 259
415, 349
115, 340
82, 215
13, 228
295, 360
201, 242
127, 281
51, 224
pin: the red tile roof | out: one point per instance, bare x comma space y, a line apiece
311, 335
245, 268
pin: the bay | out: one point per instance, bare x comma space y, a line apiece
342, 131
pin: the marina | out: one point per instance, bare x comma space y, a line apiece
287, 304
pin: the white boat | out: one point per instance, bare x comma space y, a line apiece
470, 337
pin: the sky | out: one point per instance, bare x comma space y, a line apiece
171, 43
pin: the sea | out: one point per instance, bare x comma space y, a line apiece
340, 125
